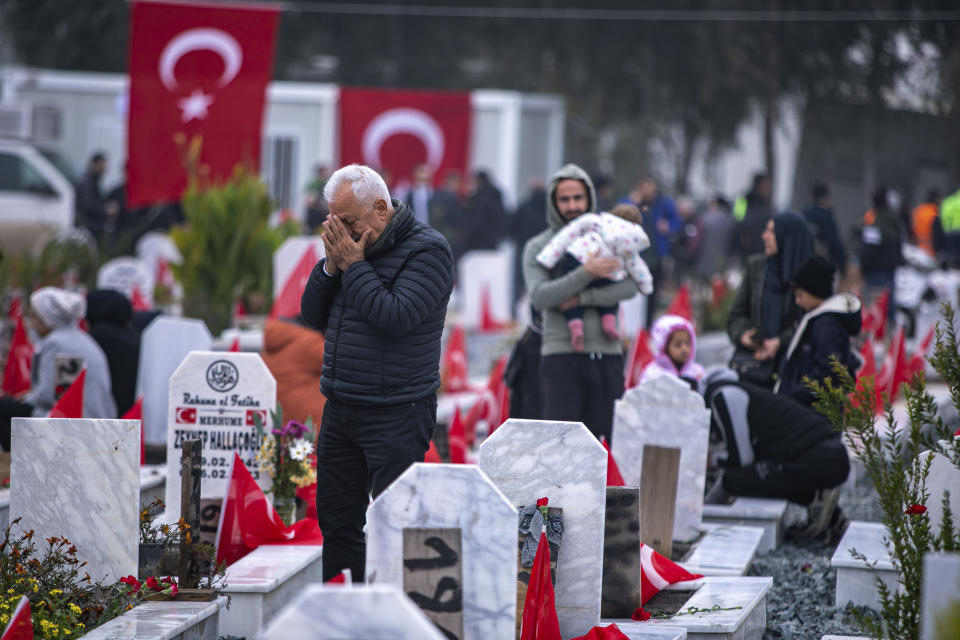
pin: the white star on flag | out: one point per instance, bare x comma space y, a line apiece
195, 107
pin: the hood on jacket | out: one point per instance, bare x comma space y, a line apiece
660, 334
847, 308
568, 172
110, 307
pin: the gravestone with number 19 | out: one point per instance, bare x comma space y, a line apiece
215, 398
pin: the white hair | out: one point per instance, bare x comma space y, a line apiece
367, 185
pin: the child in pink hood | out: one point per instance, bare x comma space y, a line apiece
675, 345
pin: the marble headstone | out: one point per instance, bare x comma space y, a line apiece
163, 346
532, 459
665, 412
286, 257
944, 476
80, 479
490, 271
941, 596
215, 396
352, 613
452, 496
124, 274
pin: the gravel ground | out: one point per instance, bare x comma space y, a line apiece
800, 604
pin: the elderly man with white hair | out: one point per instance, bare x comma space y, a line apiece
53, 315
380, 298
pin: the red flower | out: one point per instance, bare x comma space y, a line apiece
173, 590
133, 583
640, 615
915, 509
153, 584
807, 568
542, 502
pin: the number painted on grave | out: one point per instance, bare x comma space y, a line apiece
433, 576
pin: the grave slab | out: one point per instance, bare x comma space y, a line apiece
532, 459
485, 271
745, 623
215, 397
855, 579
163, 346
378, 611
263, 582
941, 594
452, 496
766, 513
667, 413
153, 483
621, 553
724, 550
944, 476
4, 508
169, 620
641, 632
79, 479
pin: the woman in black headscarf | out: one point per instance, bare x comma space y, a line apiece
764, 314
110, 316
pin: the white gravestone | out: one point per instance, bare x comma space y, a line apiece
562, 461
941, 595
163, 346
490, 271
125, 274
665, 412
347, 612
461, 497
80, 479
289, 254
944, 476
215, 397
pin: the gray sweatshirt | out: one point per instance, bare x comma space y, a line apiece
547, 294
70, 341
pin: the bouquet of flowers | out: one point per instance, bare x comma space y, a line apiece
286, 456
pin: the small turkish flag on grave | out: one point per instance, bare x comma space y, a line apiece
875, 317
892, 372
455, 362
609, 632
137, 301
657, 573
197, 72
488, 324
638, 357
235, 345
432, 454
614, 478
70, 404
458, 445
540, 608
20, 626
136, 413
252, 415
186, 415
680, 305
247, 520
287, 303
16, 373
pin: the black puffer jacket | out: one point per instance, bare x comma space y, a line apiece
383, 317
110, 316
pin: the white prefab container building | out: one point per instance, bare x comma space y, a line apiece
514, 136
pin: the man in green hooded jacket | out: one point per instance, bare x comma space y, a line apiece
575, 385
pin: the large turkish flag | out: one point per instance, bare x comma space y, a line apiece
397, 130
196, 73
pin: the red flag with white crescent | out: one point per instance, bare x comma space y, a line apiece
20, 626
197, 72
657, 573
398, 130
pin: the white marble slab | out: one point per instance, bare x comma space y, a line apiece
452, 496
766, 513
214, 397
845, 638
346, 612
639, 631
944, 476
163, 346
79, 479
856, 582
745, 623
532, 459
289, 254
264, 581
153, 483
667, 413
725, 550
164, 621
941, 592
490, 271
4, 508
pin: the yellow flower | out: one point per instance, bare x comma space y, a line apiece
56, 592
80, 625
5, 618
77, 610
10, 590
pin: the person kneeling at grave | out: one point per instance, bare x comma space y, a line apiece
380, 298
774, 447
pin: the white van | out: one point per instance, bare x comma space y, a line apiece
36, 198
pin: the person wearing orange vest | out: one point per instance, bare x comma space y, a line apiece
923, 218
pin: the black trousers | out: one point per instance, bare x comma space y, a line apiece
582, 387
360, 451
11, 408
824, 466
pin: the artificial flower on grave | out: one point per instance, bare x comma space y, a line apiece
915, 509
286, 457
532, 520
